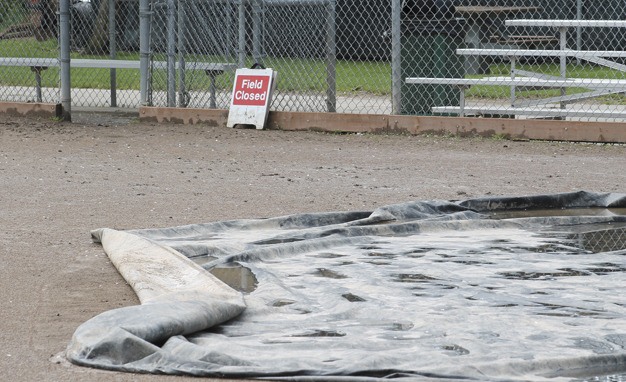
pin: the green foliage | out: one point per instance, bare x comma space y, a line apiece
12, 12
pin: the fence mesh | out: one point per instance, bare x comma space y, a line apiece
468, 57
103, 30
513, 59
28, 31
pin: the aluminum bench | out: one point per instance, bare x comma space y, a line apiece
37, 65
601, 87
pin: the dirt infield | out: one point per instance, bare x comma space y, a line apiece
60, 180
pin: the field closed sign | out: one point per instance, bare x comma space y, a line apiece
251, 90
252, 94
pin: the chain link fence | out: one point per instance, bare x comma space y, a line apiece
468, 57
28, 32
519, 59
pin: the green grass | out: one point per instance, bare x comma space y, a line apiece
294, 74
297, 74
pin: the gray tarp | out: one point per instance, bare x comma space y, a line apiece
498, 288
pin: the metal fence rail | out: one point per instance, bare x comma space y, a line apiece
331, 55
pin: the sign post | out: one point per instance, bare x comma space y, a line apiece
252, 95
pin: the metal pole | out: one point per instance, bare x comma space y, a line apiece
171, 53
228, 49
212, 88
256, 30
241, 53
563, 60
38, 94
396, 56
579, 29
513, 61
144, 50
182, 35
112, 52
64, 41
331, 58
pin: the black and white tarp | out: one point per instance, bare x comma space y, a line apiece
496, 288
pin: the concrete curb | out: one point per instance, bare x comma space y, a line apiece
32, 109
519, 129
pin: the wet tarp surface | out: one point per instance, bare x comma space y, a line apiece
498, 288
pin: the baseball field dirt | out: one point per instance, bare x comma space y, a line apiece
60, 180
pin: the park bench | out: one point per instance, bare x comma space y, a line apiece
37, 65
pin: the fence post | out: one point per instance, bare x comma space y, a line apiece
171, 53
257, 29
241, 53
331, 57
396, 56
144, 50
182, 50
579, 30
228, 17
112, 52
64, 57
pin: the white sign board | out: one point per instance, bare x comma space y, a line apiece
252, 94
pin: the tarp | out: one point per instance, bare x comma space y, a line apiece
496, 288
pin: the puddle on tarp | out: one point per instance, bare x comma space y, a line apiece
596, 238
469, 295
512, 214
603, 240
237, 277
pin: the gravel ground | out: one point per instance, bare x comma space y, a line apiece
60, 180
